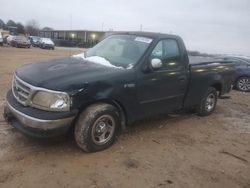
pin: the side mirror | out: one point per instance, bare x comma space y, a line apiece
156, 63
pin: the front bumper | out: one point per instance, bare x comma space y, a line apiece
35, 122
23, 45
48, 46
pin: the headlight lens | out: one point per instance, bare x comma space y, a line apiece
51, 101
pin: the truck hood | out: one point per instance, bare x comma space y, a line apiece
65, 74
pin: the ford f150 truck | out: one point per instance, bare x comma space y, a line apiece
126, 77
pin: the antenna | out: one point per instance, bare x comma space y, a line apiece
70, 18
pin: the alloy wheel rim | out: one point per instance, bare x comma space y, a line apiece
103, 129
210, 102
244, 84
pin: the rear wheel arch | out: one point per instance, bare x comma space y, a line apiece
217, 86
241, 76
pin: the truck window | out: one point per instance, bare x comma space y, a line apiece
168, 51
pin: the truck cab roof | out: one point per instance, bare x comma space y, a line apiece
152, 35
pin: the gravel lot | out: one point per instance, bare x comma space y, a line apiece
167, 151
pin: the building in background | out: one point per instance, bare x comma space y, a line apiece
5, 33
73, 38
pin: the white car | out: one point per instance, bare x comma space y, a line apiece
1, 39
47, 43
9, 39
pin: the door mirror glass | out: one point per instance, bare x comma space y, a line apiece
156, 63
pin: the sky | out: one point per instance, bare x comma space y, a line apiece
211, 26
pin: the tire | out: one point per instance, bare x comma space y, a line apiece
243, 84
208, 102
96, 127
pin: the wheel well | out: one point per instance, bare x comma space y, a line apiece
242, 76
218, 87
115, 103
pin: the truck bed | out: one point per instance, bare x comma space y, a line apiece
199, 60
219, 73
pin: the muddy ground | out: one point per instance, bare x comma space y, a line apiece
168, 151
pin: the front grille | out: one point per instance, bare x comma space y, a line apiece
21, 90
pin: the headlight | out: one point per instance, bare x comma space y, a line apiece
57, 101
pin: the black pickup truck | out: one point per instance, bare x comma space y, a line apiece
126, 77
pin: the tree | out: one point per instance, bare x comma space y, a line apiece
2, 24
12, 27
48, 29
32, 27
20, 28
11, 23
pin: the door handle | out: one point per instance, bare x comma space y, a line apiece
182, 78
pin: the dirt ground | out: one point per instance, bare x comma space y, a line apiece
168, 151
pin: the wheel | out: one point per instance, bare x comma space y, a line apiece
96, 127
208, 102
243, 84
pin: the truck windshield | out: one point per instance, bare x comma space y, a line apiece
121, 50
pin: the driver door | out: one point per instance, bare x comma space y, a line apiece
163, 89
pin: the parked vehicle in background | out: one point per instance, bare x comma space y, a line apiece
20, 42
1, 39
124, 78
35, 41
47, 43
242, 65
5, 39
9, 39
